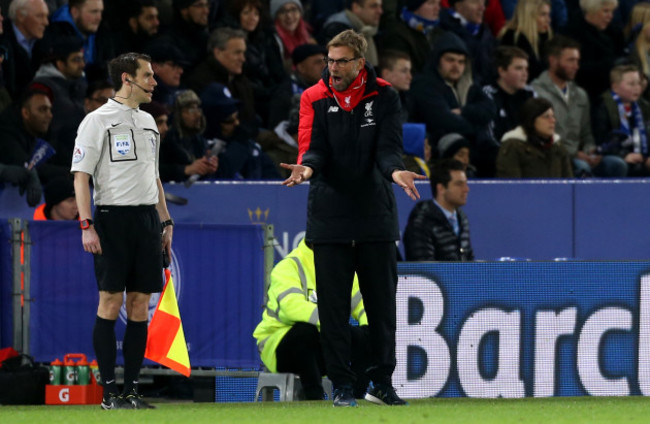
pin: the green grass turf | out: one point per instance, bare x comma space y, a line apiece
593, 410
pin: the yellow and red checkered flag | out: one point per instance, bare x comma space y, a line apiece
166, 340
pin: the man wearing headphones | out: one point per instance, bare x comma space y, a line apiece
118, 145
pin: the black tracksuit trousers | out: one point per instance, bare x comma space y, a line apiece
376, 266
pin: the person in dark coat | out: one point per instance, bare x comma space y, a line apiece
465, 19
446, 98
308, 66
24, 127
63, 75
601, 43
350, 148
224, 64
621, 121
438, 229
395, 67
264, 65
189, 32
83, 19
25, 29
141, 26
509, 92
168, 64
185, 152
240, 157
415, 32
533, 149
530, 29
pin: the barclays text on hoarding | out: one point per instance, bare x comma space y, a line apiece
453, 340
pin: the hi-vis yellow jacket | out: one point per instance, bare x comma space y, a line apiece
292, 298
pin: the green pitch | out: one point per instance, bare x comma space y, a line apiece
592, 410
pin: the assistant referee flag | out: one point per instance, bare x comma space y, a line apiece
166, 340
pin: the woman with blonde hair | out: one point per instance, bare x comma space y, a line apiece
529, 29
638, 33
638, 18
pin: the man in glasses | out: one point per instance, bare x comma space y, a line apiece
97, 94
62, 72
350, 147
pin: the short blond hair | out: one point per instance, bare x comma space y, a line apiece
594, 5
617, 72
353, 40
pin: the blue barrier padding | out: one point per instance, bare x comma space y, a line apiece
218, 275
536, 219
6, 321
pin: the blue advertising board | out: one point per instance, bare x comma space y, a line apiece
218, 274
516, 329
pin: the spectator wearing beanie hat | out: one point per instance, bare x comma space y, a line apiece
184, 152
60, 202
414, 32
239, 155
292, 30
308, 67
532, 150
455, 146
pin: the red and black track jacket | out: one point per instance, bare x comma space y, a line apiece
353, 155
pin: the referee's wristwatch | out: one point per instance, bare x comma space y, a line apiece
166, 223
86, 223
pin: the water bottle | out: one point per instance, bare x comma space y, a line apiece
69, 371
55, 372
83, 372
94, 369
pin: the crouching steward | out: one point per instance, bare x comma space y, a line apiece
288, 338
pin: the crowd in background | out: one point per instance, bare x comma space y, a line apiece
515, 89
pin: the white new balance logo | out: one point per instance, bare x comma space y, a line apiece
333, 109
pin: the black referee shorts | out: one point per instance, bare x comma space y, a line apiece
131, 256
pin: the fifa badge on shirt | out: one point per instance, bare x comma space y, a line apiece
122, 143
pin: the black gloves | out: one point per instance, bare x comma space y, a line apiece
26, 179
13, 174
32, 188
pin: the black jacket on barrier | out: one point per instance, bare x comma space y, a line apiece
430, 237
353, 155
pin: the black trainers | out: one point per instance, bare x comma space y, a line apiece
137, 402
115, 402
344, 396
383, 394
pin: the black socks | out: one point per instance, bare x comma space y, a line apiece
106, 350
135, 343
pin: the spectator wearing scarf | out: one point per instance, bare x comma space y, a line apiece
621, 120
465, 19
291, 28
414, 32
